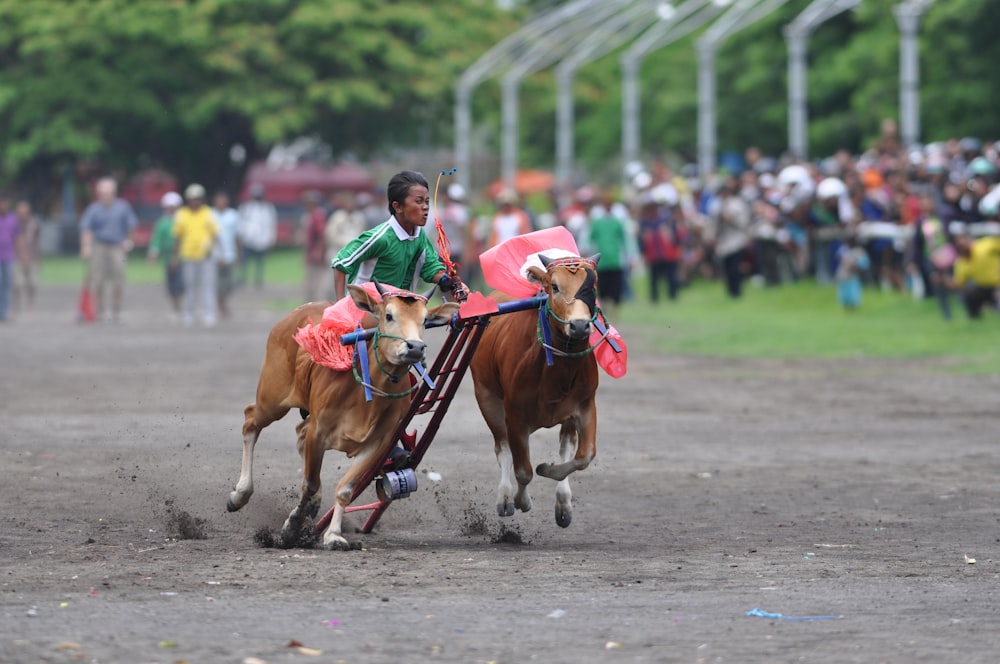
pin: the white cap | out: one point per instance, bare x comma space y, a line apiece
456, 191
194, 191
831, 188
665, 193
171, 199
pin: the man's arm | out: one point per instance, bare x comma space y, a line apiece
86, 234
339, 284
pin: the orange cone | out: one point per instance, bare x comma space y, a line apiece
85, 310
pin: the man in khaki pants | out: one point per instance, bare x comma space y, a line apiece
105, 239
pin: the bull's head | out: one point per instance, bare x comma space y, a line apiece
571, 284
402, 317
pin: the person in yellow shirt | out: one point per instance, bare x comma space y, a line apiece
977, 272
196, 232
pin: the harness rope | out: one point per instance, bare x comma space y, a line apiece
540, 334
392, 377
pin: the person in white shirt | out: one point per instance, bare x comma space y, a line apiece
258, 233
227, 251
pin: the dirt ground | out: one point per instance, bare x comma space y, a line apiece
856, 490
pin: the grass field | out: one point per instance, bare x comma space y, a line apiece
805, 321
795, 321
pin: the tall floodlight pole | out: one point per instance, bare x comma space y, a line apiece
673, 25
908, 18
706, 108
491, 63
797, 36
797, 102
620, 28
557, 42
742, 14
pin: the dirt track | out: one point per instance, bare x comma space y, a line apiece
849, 489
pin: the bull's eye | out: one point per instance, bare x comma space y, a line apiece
388, 317
555, 288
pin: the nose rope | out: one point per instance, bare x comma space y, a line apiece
541, 336
392, 377
549, 311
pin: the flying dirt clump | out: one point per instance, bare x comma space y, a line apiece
181, 525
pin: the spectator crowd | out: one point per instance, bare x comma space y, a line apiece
920, 219
923, 220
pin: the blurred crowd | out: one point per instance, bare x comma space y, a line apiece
922, 220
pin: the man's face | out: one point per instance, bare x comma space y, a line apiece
221, 202
4, 205
195, 203
105, 191
23, 210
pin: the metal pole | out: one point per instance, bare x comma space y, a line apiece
564, 127
686, 18
509, 128
797, 104
463, 129
706, 109
908, 18
630, 110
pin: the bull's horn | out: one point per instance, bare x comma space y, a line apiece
595, 259
545, 260
378, 287
429, 294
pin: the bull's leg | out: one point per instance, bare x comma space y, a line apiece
492, 409
244, 486
312, 464
333, 538
586, 449
520, 463
564, 495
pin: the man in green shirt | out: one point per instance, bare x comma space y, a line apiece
608, 238
397, 252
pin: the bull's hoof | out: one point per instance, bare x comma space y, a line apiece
542, 469
231, 506
564, 516
336, 543
505, 508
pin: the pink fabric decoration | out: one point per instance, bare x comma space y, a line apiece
322, 341
502, 264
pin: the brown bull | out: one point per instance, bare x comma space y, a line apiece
519, 394
338, 418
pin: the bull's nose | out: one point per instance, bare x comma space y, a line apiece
579, 328
415, 349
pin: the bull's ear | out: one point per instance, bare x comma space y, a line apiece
536, 275
362, 298
596, 258
441, 314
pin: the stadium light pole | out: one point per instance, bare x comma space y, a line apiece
618, 30
490, 64
741, 15
908, 19
682, 21
543, 53
796, 37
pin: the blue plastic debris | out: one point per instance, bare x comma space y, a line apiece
760, 613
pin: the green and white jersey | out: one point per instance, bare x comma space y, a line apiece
388, 254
